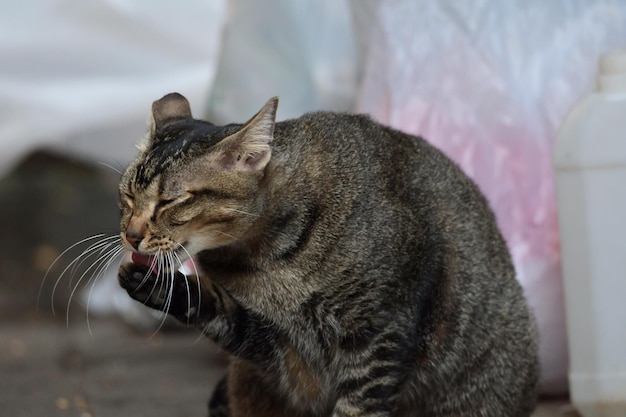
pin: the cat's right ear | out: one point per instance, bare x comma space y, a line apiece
171, 106
249, 148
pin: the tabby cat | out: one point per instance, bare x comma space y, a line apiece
348, 269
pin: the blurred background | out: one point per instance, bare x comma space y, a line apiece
486, 81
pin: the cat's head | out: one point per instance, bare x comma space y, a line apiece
194, 186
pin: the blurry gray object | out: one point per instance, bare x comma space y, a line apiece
80, 76
302, 51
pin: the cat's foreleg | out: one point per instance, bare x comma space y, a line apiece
184, 297
376, 398
370, 384
203, 304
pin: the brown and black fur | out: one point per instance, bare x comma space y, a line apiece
349, 269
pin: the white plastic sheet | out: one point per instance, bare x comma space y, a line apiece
80, 76
302, 51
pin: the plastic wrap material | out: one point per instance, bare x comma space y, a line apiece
302, 51
80, 76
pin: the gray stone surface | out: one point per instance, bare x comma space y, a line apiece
49, 369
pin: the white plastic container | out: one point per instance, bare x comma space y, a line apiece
590, 163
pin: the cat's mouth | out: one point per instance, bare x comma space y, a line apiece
146, 260
156, 265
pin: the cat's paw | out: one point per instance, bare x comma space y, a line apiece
175, 294
141, 284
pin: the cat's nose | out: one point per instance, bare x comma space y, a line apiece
134, 239
135, 231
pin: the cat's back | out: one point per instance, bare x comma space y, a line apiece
353, 153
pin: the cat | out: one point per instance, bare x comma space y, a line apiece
348, 269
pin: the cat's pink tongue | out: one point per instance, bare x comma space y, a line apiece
146, 260
189, 267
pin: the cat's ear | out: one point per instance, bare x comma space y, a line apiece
171, 106
249, 148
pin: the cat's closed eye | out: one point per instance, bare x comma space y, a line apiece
178, 210
125, 200
163, 204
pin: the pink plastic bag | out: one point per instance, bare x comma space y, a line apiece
489, 83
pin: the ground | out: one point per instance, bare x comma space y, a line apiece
80, 365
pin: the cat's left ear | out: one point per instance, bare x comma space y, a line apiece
249, 148
171, 106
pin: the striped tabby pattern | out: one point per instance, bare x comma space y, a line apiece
347, 268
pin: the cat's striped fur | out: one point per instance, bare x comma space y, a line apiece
349, 269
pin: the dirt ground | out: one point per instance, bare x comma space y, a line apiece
75, 365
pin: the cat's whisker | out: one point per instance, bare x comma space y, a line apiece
166, 276
154, 264
226, 234
160, 272
97, 269
188, 287
90, 251
100, 245
172, 276
98, 248
195, 270
111, 167
243, 212
95, 278
151, 267
189, 256
43, 281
